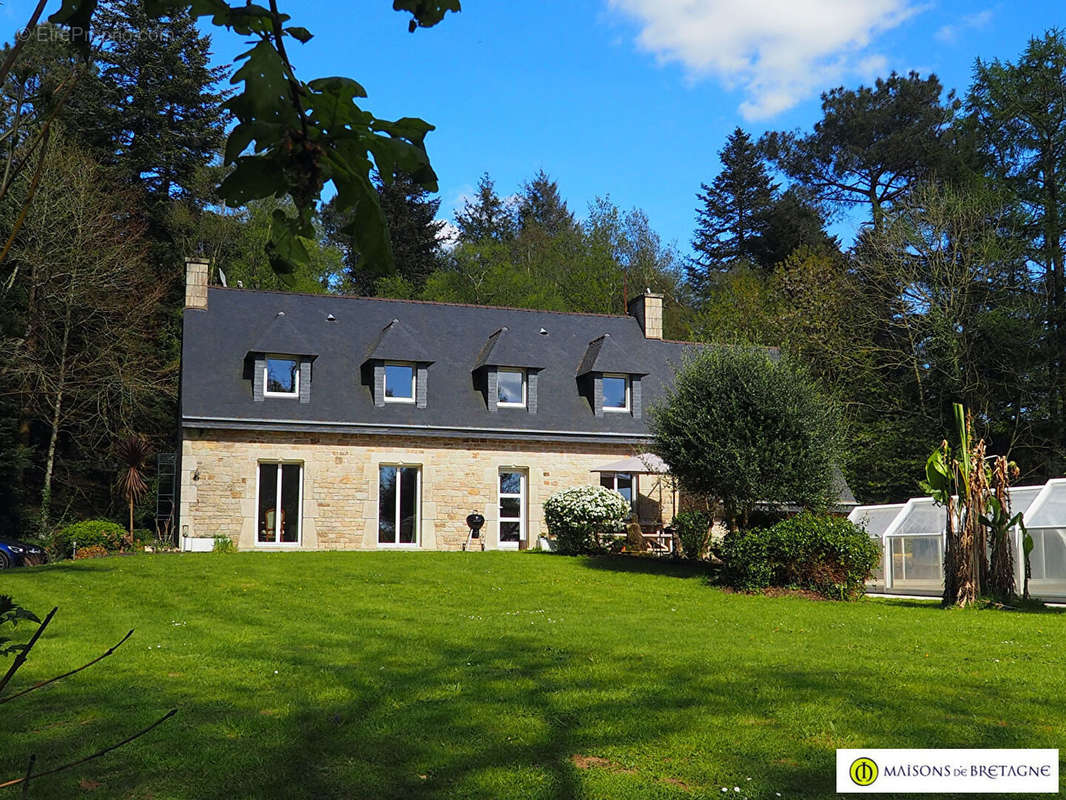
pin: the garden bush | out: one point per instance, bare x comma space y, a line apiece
577, 516
824, 554
89, 533
693, 530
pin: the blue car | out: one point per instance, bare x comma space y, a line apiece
17, 554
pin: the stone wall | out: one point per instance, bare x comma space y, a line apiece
340, 483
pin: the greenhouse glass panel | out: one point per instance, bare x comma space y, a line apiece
1022, 497
917, 562
1048, 561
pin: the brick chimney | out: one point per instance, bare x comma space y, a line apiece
648, 309
196, 272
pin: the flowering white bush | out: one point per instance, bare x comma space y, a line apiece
574, 516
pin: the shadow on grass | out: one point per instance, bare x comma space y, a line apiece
500, 717
650, 565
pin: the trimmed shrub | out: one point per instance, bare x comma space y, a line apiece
824, 554
576, 517
693, 529
89, 533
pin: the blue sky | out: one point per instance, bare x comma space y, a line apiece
631, 98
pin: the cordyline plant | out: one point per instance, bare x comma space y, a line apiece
974, 489
132, 453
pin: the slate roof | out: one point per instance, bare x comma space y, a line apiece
216, 388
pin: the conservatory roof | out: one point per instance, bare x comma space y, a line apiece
1048, 510
875, 519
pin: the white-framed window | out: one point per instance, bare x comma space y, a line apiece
511, 388
621, 482
399, 505
281, 376
279, 499
616, 393
512, 507
399, 382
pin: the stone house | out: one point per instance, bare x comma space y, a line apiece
325, 422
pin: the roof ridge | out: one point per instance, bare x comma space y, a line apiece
423, 302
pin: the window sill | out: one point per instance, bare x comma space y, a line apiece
387, 546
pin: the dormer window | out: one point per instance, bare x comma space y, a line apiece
281, 376
616, 393
510, 388
399, 382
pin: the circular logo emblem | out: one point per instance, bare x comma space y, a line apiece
863, 771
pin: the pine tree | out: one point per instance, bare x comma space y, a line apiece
486, 216
734, 211
159, 117
414, 232
541, 206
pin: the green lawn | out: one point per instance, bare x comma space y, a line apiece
499, 675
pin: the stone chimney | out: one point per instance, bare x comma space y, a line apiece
196, 271
648, 309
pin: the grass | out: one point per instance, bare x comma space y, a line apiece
498, 675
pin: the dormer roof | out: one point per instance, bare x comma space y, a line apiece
280, 335
396, 342
604, 354
504, 349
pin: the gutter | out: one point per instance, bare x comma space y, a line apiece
327, 426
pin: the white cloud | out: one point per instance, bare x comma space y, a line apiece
777, 52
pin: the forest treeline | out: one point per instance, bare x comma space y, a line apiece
952, 290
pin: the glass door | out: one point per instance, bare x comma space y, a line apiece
512, 508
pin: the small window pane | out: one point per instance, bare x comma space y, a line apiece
510, 483
399, 381
510, 383
510, 531
607, 480
290, 503
614, 392
510, 508
408, 505
387, 505
625, 486
268, 498
281, 375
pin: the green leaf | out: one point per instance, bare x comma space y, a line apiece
302, 35
286, 249
337, 84
425, 13
254, 178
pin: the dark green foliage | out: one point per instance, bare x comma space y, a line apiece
1018, 111
743, 428
824, 554
693, 533
89, 533
414, 236
734, 210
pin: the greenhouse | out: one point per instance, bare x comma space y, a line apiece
912, 537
